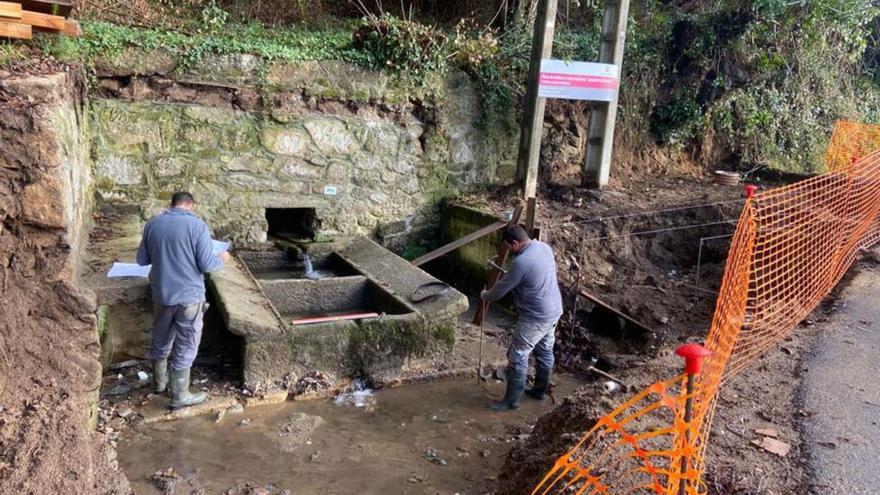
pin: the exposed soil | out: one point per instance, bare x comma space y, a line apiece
637, 250
48, 340
765, 396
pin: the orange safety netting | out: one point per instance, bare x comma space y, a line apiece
791, 247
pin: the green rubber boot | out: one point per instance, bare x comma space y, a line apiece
160, 374
180, 395
515, 386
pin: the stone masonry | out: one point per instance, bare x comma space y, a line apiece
366, 159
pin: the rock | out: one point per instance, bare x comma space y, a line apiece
125, 413
292, 142
296, 430
166, 480
436, 457
331, 136
773, 446
132, 62
248, 163
121, 387
143, 376
767, 432
121, 170
418, 478
236, 409
42, 205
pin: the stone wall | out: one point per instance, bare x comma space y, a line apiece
49, 370
467, 265
63, 199
323, 135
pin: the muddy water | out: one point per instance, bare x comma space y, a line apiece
434, 438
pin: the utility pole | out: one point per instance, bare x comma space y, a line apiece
533, 114
597, 168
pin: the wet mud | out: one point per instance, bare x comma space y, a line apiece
430, 438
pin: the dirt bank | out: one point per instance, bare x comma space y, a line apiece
766, 396
49, 371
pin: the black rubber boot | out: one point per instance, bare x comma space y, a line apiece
542, 382
160, 374
180, 395
515, 386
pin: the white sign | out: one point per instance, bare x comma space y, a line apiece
578, 80
330, 191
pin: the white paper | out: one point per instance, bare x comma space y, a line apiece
134, 270
128, 270
218, 247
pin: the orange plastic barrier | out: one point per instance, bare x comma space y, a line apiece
791, 247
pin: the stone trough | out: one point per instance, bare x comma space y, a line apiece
260, 294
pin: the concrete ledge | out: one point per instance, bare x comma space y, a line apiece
244, 309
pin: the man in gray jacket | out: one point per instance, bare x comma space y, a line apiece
178, 245
532, 278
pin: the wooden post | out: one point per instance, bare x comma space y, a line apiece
597, 168
533, 115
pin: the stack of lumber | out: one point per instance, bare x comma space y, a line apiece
21, 19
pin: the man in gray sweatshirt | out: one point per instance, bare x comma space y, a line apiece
532, 278
178, 245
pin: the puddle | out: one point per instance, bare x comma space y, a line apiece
428, 438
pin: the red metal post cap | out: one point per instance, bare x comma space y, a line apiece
693, 355
750, 190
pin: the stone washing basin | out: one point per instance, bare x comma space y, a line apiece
368, 278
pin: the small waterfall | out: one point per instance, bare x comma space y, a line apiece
309, 270
307, 264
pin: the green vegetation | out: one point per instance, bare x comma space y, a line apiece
10, 54
752, 83
291, 44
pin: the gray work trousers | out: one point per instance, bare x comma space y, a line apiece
177, 331
530, 336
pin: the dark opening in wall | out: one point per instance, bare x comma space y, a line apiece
292, 223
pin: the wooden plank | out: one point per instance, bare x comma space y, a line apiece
10, 10
531, 210
53, 7
599, 302
495, 274
18, 30
71, 28
43, 21
452, 246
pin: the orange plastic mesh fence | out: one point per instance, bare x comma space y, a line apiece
851, 140
791, 247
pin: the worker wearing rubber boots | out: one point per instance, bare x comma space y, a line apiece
532, 278
178, 246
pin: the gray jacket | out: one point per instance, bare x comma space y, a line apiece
532, 278
178, 245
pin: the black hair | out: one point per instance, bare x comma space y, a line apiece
180, 198
514, 233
